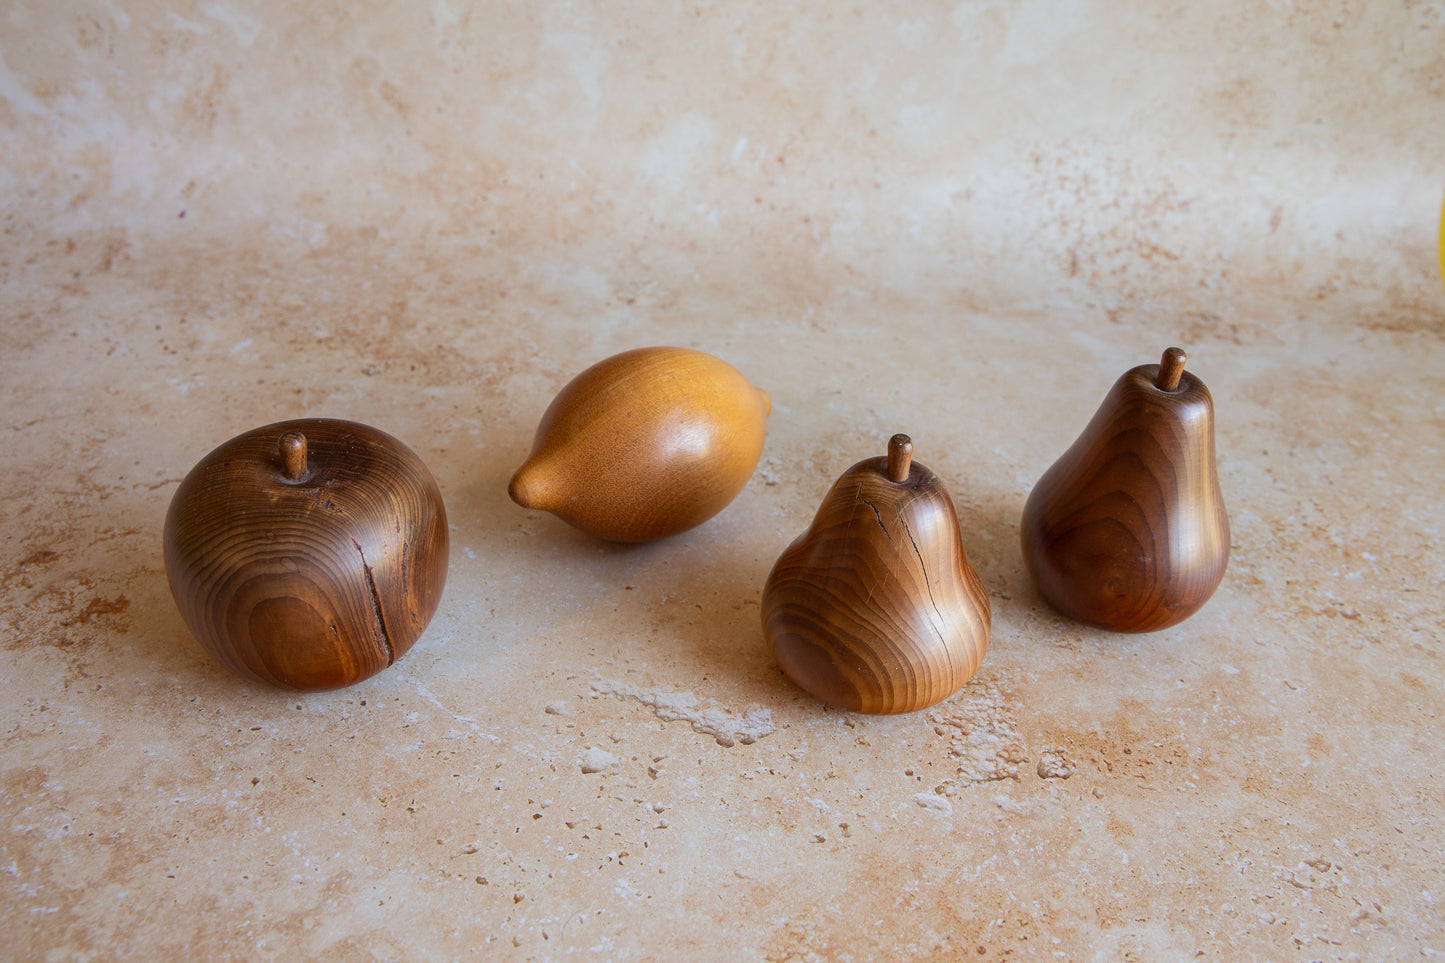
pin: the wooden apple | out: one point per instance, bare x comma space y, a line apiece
307, 554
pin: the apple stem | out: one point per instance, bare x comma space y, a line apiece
900, 458
293, 455
1171, 367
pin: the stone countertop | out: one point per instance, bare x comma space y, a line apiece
432, 220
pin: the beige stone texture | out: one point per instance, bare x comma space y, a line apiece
961, 220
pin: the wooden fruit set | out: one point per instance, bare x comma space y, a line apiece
312, 554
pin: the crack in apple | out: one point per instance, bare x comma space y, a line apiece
382, 634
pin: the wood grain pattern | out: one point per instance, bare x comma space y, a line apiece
1128, 530
308, 554
875, 607
645, 444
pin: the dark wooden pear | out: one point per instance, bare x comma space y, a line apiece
875, 607
1127, 530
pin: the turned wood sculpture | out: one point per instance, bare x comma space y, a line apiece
645, 444
1127, 530
875, 607
308, 554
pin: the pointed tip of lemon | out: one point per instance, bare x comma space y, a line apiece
767, 402
528, 487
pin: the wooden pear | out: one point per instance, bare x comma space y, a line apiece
1128, 530
875, 607
645, 444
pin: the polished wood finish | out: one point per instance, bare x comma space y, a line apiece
900, 458
875, 607
1171, 369
293, 455
308, 554
645, 444
1128, 529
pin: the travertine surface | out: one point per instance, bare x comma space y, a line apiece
959, 221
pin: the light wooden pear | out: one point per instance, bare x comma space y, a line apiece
875, 607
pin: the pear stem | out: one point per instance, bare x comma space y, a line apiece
293, 455
1171, 368
900, 458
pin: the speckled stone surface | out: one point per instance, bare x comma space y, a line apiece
962, 222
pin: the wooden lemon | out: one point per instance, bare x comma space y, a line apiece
645, 444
